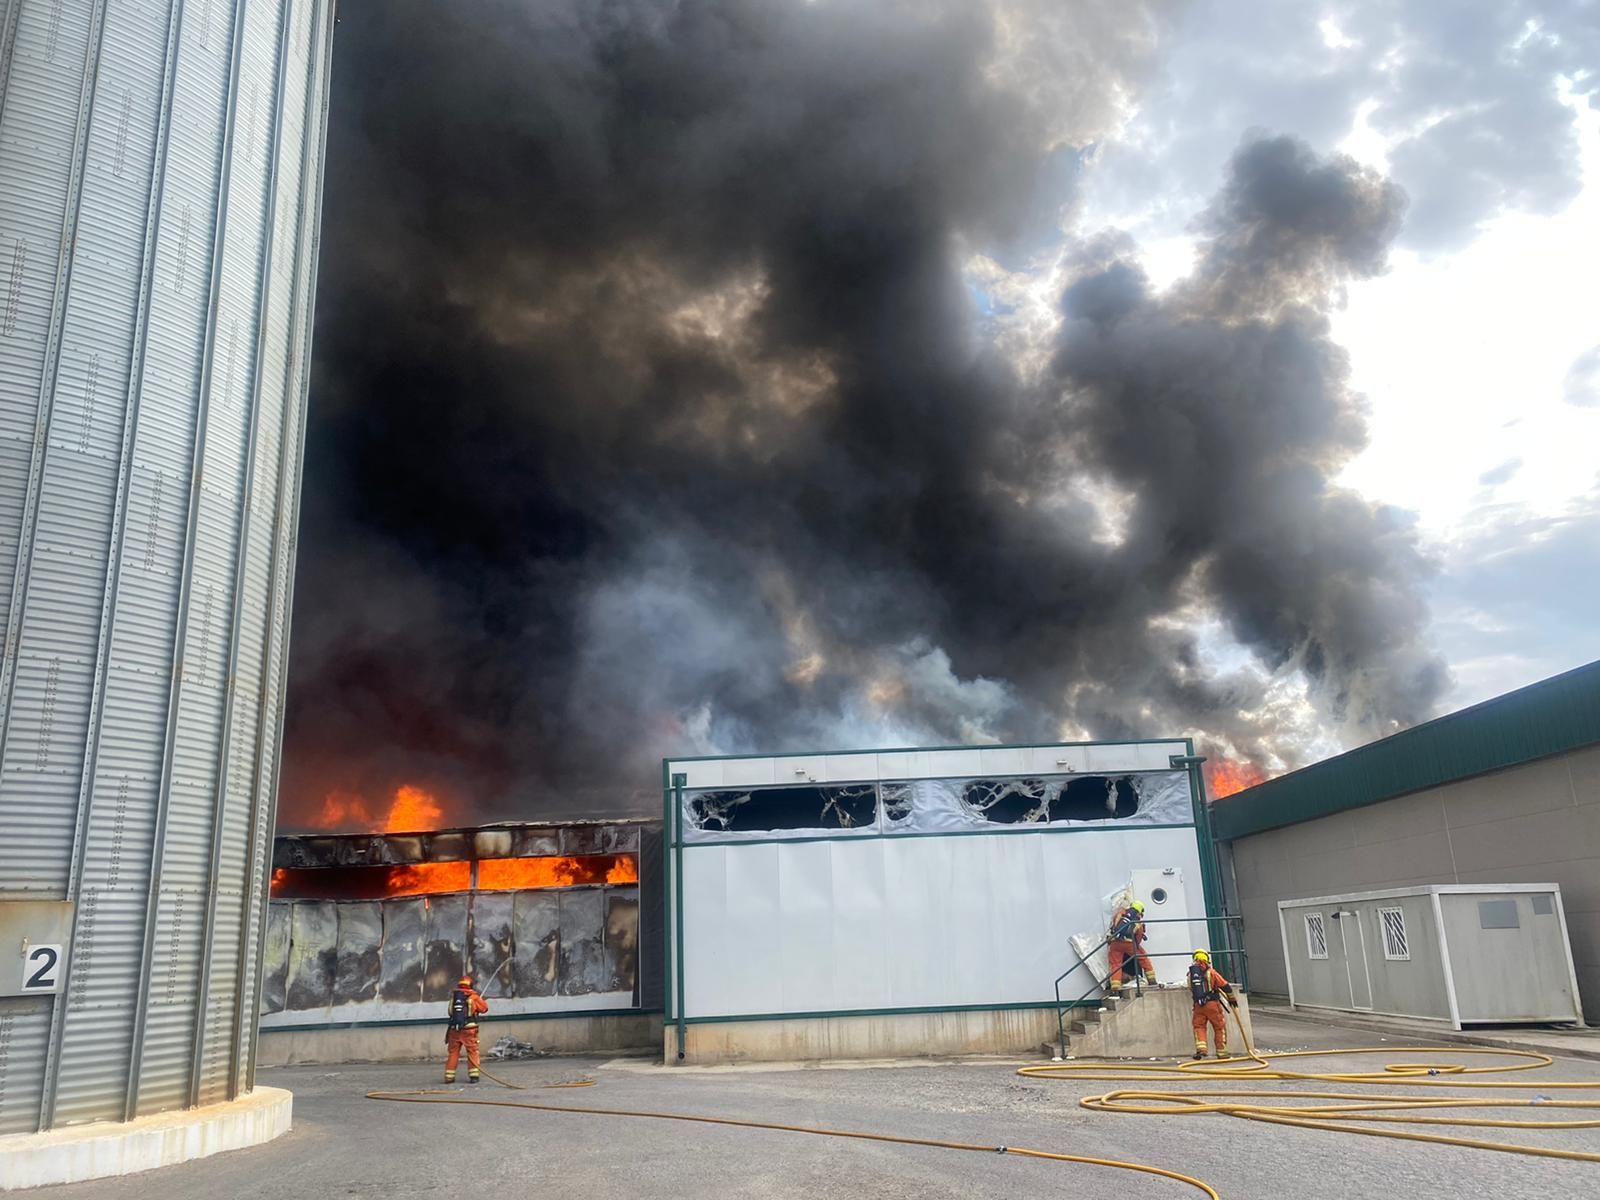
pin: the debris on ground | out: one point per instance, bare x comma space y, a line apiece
510, 1047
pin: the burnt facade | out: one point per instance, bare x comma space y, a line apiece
548, 919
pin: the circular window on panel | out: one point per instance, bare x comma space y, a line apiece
1159, 895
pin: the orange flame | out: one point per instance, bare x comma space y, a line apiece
426, 879
411, 810
501, 874
1225, 777
342, 808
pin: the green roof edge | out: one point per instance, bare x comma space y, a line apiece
1549, 717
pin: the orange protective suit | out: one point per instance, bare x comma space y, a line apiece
465, 1038
1123, 950
1209, 1011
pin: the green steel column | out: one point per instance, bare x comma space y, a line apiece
677, 879
1216, 928
669, 959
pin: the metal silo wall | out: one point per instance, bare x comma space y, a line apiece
160, 178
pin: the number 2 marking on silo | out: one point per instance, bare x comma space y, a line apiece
42, 962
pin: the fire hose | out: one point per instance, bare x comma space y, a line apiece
454, 1096
1351, 1106
1253, 1066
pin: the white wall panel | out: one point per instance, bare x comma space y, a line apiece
904, 921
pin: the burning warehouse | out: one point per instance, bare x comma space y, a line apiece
367, 934
826, 905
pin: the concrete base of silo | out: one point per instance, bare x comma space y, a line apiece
104, 1149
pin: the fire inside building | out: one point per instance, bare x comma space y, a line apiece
367, 934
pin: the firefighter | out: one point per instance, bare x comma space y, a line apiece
1208, 989
466, 1006
1126, 942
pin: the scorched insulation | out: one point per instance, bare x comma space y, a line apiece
546, 920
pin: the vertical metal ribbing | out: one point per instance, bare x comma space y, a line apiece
242, 1011
9, 17
52, 362
264, 290
9, 649
322, 62
108, 604
185, 589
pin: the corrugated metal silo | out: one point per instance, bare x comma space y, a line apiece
160, 176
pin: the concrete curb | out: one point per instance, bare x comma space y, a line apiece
1427, 1034
106, 1148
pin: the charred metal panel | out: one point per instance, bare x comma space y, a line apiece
492, 943
405, 924
492, 843
583, 954
447, 939
405, 849
599, 839
447, 846
652, 920
275, 957
536, 928
622, 940
537, 842
359, 964
313, 955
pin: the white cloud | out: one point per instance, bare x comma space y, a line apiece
1465, 361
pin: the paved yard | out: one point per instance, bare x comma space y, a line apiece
344, 1145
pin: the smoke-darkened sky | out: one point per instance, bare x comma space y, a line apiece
752, 375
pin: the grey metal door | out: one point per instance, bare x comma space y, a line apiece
1352, 940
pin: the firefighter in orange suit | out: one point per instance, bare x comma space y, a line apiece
1208, 989
1126, 942
466, 1006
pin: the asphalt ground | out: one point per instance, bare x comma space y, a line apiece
344, 1145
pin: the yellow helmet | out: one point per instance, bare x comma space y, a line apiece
1201, 956
1137, 906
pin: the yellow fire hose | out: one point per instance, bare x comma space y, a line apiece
454, 1096
1352, 1106
1255, 1066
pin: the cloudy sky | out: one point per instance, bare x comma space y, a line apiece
1478, 350
729, 376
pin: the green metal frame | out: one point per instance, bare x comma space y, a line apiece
672, 789
677, 908
997, 831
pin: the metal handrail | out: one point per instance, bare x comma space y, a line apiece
1083, 960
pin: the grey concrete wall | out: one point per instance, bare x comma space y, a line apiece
410, 1042
1156, 1024
1534, 823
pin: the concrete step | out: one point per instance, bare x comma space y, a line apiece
1155, 1024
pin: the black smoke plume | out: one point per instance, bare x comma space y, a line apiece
673, 395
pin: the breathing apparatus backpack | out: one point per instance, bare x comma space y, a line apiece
1123, 930
460, 1009
1199, 974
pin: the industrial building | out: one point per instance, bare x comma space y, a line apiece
559, 926
160, 188
1505, 792
877, 903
